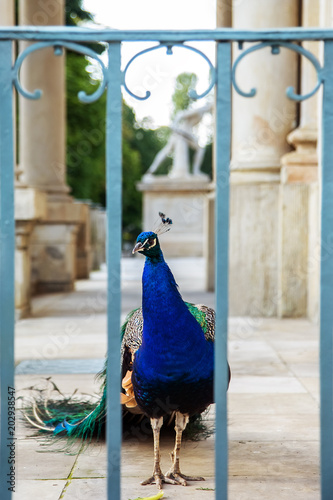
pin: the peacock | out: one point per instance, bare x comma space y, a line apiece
167, 361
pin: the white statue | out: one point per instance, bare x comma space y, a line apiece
180, 140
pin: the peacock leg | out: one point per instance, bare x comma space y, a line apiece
174, 473
157, 477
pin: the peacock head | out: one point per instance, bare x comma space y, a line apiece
147, 242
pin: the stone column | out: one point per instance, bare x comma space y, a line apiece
24, 220
259, 130
224, 13
261, 123
7, 13
42, 122
223, 20
298, 231
58, 258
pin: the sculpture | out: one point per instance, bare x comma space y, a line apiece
181, 139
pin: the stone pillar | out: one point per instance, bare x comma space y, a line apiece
261, 123
98, 237
22, 269
30, 206
298, 232
7, 13
83, 246
42, 146
223, 20
58, 257
224, 13
259, 130
24, 216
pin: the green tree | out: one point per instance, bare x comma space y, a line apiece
180, 98
85, 133
85, 122
75, 14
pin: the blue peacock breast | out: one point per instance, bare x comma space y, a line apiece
162, 387
159, 398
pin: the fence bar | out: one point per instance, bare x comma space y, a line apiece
49, 33
222, 162
326, 282
7, 249
113, 253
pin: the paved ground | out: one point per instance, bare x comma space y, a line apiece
273, 400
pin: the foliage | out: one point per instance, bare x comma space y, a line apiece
85, 134
181, 99
75, 13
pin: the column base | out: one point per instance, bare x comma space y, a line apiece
23, 230
30, 206
53, 253
293, 250
298, 227
61, 251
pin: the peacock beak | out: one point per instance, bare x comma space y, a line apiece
138, 246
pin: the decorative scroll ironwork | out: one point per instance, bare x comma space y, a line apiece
275, 46
169, 50
58, 49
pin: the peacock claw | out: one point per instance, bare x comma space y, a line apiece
181, 478
158, 479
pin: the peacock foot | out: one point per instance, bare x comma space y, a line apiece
158, 478
180, 478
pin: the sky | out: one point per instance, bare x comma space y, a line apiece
157, 71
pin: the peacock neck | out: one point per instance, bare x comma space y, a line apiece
159, 289
173, 343
163, 306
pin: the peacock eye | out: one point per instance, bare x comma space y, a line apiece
151, 241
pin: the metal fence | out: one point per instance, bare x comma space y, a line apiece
223, 76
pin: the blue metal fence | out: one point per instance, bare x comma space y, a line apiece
113, 79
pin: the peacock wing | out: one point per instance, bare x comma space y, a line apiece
205, 316
131, 335
132, 331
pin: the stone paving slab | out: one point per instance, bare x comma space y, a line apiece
272, 404
250, 459
53, 366
267, 488
44, 489
37, 460
266, 385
